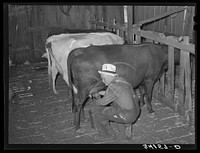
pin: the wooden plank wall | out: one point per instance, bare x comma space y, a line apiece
30, 24
18, 23
172, 24
51, 15
48, 16
45, 16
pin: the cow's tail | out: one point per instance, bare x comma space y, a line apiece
70, 79
47, 48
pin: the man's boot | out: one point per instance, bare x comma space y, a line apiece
104, 131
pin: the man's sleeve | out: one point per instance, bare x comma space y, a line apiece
108, 97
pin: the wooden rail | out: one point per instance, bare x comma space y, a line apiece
160, 37
155, 36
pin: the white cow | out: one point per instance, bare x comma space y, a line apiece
58, 48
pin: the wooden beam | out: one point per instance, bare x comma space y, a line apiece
155, 36
166, 40
21, 12
160, 16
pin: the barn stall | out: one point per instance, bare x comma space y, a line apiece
36, 115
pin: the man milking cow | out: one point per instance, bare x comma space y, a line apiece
119, 104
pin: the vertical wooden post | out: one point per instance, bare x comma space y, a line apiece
130, 23
159, 85
121, 34
115, 30
35, 23
102, 27
104, 13
118, 31
99, 15
110, 22
92, 25
114, 23
30, 24
180, 106
162, 85
138, 39
95, 25
92, 16
134, 39
188, 95
120, 14
88, 18
171, 72
107, 28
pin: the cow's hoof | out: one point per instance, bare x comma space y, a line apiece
55, 92
151, 111
85, 120
142, 104
104, 138
152, 115
81, 130
128, 138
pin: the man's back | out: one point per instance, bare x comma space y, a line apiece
126, 97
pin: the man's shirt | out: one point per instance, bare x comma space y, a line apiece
120, 92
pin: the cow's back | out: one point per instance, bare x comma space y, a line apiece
58, 31
133, 62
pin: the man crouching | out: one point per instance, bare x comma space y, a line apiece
119, 104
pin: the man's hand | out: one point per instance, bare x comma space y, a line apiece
96, 96
102, 93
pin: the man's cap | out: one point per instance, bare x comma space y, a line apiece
108, 69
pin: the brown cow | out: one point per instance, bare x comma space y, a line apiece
141, 65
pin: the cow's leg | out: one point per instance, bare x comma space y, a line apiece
148, 86
79, 110
50, 75
72, 99
77, 116
49, 66
50, 80
82, 114
54, 75
141, 90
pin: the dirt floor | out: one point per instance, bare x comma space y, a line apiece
38, 116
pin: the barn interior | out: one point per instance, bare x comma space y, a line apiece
35, 115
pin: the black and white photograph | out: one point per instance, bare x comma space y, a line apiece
100, 74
